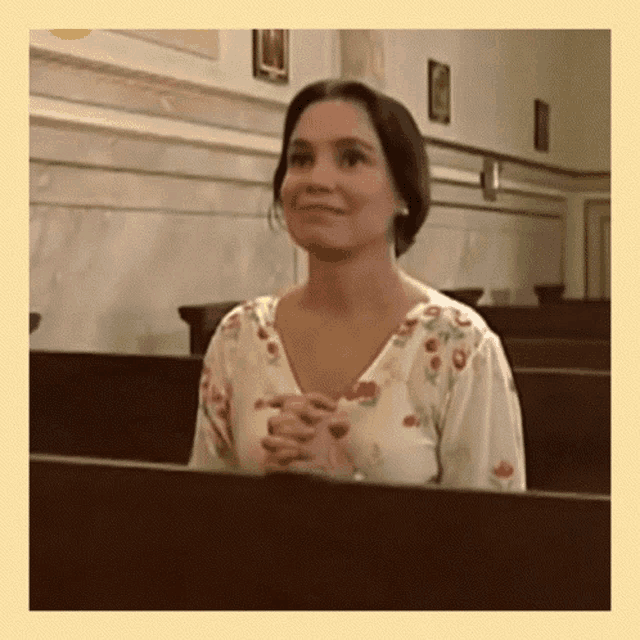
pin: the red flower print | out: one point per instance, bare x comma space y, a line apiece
503, 470
433, 310
262, 334
406, 328
432, 345
272, 348
363, 390
457, 314
213, 394
411, 421
459, 359
435, 363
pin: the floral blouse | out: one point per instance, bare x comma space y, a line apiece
438, 404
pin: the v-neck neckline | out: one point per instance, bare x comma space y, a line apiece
365, 374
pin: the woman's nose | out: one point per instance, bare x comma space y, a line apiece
322, 174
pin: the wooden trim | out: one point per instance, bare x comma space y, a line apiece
503, 157
563, 372
473, 207
49, 110
169, 210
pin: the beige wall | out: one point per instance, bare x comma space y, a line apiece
495, 78
151, 168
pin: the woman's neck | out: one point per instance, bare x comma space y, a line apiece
362, 286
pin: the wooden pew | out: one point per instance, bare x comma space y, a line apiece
113, 406
573, 319
143, 408
566, 416
203, 320
558, 353
108, 536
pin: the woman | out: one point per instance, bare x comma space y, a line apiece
361, 372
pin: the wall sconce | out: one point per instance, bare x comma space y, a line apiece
490, 179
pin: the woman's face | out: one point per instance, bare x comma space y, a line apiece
338, 192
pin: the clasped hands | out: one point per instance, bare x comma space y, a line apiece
304, 435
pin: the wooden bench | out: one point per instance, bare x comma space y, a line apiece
567, 428
113, 406
573, 319
110, 536
143, 408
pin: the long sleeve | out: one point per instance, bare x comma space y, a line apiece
213, 446
481, 442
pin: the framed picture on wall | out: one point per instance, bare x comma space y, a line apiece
541, 134
271, 55
439, 92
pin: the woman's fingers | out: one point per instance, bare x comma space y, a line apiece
281, 452
314, 400
289, 424
339, 424
320, 401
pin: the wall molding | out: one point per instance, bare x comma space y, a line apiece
51, 111
508, 159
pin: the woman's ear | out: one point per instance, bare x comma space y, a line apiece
401, 208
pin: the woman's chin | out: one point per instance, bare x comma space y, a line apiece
320, 248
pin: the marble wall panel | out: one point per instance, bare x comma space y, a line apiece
493, 251
96, 187
112, 281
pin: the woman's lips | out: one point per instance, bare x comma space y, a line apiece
320, 208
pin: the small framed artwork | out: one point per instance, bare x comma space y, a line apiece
439, 92
541, 131
271, 55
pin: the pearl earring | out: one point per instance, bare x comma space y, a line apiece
403, 211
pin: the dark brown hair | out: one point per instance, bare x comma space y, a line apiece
401, 141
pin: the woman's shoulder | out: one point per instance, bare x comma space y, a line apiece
241, 322
258, 309
438, 305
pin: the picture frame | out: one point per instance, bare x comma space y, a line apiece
439, 92
271, 55
541, 128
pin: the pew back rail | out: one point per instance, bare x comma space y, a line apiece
122, 537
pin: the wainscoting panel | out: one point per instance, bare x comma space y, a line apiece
112, 281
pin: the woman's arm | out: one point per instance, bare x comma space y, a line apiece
481, 443
213, 445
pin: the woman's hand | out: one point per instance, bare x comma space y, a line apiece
293, 431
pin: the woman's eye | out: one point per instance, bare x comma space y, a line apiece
351, 157
300, 159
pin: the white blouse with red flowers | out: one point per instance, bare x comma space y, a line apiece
438, 404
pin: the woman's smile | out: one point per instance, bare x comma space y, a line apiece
320, 208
